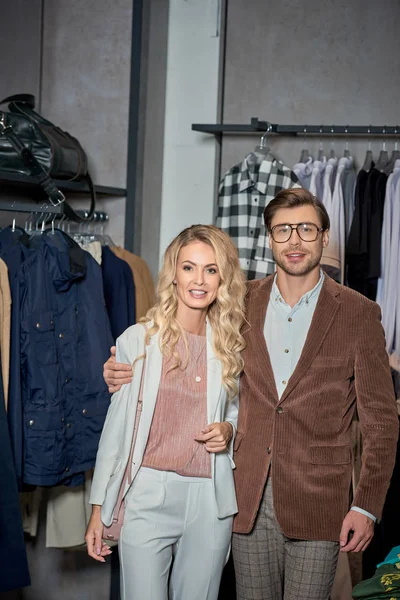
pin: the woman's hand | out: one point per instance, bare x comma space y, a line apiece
96, 548
216, 436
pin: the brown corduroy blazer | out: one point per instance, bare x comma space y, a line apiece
306, 434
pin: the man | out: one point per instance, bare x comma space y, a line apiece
315, 353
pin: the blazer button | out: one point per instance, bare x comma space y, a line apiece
279, 410
269, 450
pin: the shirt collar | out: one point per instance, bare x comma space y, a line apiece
276, 296
255, 171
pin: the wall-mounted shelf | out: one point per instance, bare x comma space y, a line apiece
257, 126
29, 183
21, 193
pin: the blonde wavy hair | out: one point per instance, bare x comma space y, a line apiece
225, 314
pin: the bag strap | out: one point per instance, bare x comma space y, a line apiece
128, 469
28, 99
71, 214
55, 195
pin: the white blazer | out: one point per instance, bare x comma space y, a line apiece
116, 437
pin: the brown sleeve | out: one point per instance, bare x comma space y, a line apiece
377, 413
149, 283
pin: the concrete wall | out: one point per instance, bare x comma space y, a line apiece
85, 87
310, 62
20, 44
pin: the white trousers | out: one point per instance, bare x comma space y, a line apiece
171, 520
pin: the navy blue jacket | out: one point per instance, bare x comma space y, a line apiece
119, 292
14, 571
65, 337
14, 251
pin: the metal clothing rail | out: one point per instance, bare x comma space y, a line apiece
257, 126
45, 208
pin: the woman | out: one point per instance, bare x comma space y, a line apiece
181, 502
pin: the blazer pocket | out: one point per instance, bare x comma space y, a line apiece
330, 455
117, 466
238, 440
330, 362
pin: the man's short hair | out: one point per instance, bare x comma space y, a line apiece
292, 198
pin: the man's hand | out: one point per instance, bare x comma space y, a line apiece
116, 374
362, 528
216, 436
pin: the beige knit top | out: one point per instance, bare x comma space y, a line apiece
180, 415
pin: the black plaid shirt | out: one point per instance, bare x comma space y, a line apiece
244, 192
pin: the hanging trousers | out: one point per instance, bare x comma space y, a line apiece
171, 520
271, 566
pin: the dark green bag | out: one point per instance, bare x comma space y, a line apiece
31, 145
385, 583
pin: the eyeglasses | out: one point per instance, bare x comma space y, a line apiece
308, 232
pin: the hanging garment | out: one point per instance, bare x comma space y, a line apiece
358, 242
119, 292
317, 178
395, 264
244, 192
303, 172
94, 248
144, 285
341, 214
14, 251
14, 571
377, 203
387, 292
68, 514
64, 341
5, 326
331, 255
349, 179
29, 503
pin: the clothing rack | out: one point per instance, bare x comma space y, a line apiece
257, 126
45, 208
99, 216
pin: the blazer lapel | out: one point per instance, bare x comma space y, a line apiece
325, 313
214, 374
256, 316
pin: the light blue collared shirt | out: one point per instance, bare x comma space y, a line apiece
285, 332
